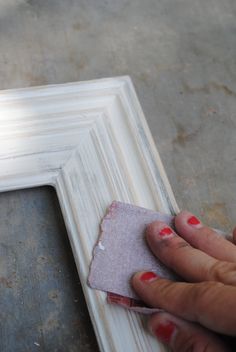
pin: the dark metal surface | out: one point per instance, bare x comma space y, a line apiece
42, 307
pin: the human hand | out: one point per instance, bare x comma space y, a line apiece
204, 305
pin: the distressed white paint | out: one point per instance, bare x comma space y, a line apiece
90, 141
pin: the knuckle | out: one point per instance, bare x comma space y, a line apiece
211, 234
223, 272
171, 249
192, 342
163, 291
159, 292
182, 244
174, 243
163, 287
185, 343
177, 248
202, 294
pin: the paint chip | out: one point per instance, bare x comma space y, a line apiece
101, 246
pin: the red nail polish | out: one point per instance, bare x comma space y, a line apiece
148, 276
165, 332
166, 231
193, 221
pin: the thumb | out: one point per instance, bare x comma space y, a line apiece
182, 336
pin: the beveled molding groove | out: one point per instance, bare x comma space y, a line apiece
90, 141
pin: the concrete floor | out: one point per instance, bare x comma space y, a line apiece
42, 307
181, 56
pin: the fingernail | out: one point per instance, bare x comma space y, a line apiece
193, 221
164, 332
148, 276
166, 231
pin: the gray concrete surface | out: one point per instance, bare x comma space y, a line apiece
181, 56
42, 307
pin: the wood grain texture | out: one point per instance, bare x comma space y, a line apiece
90, 141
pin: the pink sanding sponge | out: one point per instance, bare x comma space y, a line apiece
122, 249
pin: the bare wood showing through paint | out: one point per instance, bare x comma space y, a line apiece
90, 141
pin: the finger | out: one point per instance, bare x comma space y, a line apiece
210, 304
184, 336
204, 238
190, 263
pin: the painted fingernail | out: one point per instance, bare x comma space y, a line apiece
166, 231
164, 332
193, 221
148, 276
